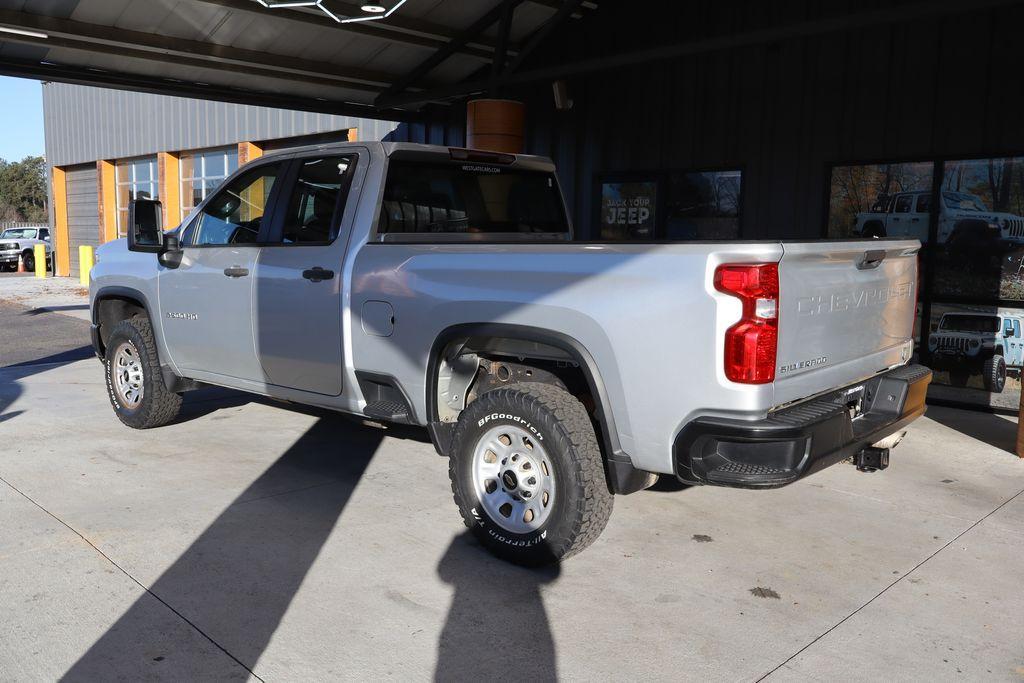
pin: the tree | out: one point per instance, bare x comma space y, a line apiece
23, 190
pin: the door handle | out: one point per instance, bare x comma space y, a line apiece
871, 259
318, 274
236, 271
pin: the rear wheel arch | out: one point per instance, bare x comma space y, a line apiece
873, 228
488, 340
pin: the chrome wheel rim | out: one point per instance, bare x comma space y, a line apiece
514, 479
127, 371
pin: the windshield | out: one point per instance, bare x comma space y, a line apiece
969, 323
964, 202
470, 198
19, 234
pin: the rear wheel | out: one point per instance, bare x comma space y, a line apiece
994, 374
527, 474
874, 229
135, 385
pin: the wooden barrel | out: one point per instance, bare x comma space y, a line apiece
495, 125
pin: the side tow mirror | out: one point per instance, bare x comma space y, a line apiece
145, 226
171, 255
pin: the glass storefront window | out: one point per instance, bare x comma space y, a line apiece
969, 216
981, 230
672, 205
202, 173
136, 179
880, 200
703, 206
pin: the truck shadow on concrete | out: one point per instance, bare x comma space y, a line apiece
213, 612
989, 428
11, 376
227, 593
497, 627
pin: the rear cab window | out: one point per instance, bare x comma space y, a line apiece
468, 200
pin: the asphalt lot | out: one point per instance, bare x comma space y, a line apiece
255, 539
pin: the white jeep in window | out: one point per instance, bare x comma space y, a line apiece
965, 344
964, 220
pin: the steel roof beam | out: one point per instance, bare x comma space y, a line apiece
158, 86
153, 47
395, 29
853, 21
482, 24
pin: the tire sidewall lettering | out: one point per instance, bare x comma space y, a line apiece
521, 421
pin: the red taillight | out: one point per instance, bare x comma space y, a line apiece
751, 344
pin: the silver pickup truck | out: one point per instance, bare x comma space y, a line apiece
441, 287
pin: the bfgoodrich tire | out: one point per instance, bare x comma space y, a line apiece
993, 374
135, 386
527, 474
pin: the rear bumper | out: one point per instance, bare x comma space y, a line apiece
794, 442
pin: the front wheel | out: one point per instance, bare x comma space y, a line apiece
29, 259
527, 474
135, 385
994, 374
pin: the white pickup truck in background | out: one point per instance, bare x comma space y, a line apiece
19, 242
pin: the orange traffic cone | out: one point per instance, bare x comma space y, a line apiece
21, 263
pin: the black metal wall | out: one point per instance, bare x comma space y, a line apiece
943, 82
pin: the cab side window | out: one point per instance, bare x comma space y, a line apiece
903, 203
234, 215
317, 200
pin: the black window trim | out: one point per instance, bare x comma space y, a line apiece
378, 237
275, 191
291, 175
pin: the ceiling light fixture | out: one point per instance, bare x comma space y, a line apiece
23, 32
375, 12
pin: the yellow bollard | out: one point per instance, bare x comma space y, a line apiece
39, 251
86, 258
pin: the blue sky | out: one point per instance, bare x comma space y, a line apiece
21, 118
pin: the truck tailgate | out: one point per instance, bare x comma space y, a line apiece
846, 313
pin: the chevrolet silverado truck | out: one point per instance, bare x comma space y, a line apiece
18, 243
988, 344
442, 287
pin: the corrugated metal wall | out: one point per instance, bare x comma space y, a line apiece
782, 111
84, 124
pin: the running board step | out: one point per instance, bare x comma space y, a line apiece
393, 411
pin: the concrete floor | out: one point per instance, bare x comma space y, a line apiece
255, 539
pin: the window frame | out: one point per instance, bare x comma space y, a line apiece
663, 179
378, 237
909, 201
288, 185
271, 208
202, 154
153, 182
